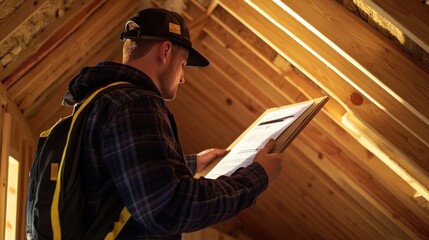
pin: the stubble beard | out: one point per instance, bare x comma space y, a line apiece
168, 91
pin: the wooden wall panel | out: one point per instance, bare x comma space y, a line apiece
6, 120
17, 137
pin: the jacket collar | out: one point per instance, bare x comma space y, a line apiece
92, 78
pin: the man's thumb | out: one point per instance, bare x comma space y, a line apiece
269, 146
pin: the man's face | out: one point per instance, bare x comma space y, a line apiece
174, 73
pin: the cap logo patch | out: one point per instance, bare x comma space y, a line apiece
174, 28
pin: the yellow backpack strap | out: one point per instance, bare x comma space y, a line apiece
118, 225
55, 216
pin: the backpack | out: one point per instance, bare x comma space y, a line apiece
55, 201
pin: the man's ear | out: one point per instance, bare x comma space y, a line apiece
165, 51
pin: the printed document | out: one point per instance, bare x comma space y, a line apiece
270, 125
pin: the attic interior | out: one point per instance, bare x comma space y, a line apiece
359, 170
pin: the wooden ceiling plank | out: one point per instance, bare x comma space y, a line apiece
410, 17
44, 45
47, 69
336, 112
325, 198
47, 41
260, 63
241, 33
233, 82
310, 90
206, 117
294, 84
252, 77
299, 201
268, 67
290, 211
329, 81
190, 138
20, 15
195, 112
43, 113
317, 156
310, 208
235, 95
15, 111
344, 188
225, 102
193, 126
223, 38
197, 24
398, 211
368, 161
186, 116
400, 94
56, 63
195, 10
397, 83
364, 158
326, 162
374, 166
388, 154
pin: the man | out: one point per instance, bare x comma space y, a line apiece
131, 143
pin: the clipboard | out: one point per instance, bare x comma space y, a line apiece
286, 136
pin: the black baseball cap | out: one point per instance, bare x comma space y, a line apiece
161, 24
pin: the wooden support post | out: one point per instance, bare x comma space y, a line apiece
4, 159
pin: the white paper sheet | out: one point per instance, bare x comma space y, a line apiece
269, 126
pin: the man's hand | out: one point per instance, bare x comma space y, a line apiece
207, 156
271, 162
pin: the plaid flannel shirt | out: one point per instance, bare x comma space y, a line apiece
130, 145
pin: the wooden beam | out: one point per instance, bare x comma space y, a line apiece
337, 88
4, 160
198, 21
250, 81
197, 117
22, 13
28, 148
353, 184
298, 84
299, 81
355, 147
15, 133
14, 110
310, 193
410, 17
44, 75
47, 110
225, 103
228, 81
411, 222
229, 43
47, 41
396, 84
257, 59
262, 58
